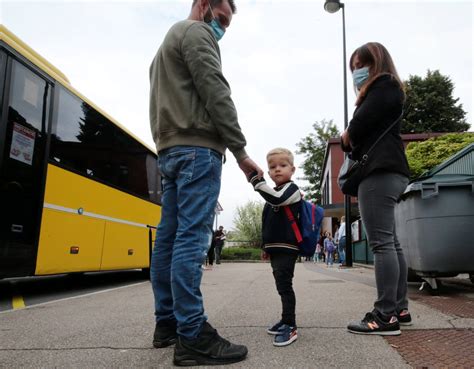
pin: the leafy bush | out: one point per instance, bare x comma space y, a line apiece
241, 253
248, 223
424, 156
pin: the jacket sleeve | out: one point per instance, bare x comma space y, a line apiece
201, 54
383, 99
289, 194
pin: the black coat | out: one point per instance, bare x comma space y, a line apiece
381, 106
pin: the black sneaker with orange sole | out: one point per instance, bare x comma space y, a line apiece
373, 324
404, 317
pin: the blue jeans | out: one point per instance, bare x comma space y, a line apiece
191, 180
330, 258
342, 250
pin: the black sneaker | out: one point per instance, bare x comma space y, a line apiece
286, 335
404, 317
274, 330
165, 335
373, 324
207, 349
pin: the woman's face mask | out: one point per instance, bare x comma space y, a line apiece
360, 76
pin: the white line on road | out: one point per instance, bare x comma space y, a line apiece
73, 297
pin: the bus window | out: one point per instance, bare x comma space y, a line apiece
153, 179
129, 164
3, 66
81, 138
87, 142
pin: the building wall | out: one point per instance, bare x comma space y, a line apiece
337, 158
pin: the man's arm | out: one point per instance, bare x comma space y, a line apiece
201, 54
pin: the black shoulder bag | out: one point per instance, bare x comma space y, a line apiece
351, 172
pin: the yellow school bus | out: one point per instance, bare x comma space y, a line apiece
78, 192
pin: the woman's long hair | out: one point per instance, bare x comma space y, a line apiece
375, 56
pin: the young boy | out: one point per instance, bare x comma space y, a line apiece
279, 240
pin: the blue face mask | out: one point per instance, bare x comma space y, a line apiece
360, 76
217, 28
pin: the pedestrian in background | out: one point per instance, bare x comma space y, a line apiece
322, 254
329, 248
379, 104
193, 121
210, 254
341, 242
317, 253
219, 238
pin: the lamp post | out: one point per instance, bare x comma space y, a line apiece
332, 6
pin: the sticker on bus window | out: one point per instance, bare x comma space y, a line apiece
23, 144
31, 92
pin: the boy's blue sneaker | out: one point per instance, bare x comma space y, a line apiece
286, 335
275, 329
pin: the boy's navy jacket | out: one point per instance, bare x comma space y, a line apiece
276, 229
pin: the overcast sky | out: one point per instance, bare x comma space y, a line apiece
283, 60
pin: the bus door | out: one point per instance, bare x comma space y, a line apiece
23, 136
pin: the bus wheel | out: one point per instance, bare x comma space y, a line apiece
146, 273
75, 277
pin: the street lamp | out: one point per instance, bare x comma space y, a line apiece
332, 6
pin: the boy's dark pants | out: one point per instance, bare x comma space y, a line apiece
283, 265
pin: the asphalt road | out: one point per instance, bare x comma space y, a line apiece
110, 324
16, 293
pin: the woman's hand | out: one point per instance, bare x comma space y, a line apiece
345, 141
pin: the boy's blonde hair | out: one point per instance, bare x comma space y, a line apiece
282, 150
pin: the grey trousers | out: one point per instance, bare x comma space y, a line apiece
378, 194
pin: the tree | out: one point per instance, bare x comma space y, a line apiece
313, 147
431, 107
248, 223
425, 155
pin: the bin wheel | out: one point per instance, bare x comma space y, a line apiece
431, 285
413, 277
471, 277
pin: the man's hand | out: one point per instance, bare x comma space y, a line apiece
248, 166
264, 256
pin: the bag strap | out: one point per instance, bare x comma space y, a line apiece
366, 155
294, 226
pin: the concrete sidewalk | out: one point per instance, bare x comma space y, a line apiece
114, 329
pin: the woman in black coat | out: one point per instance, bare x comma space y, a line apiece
380, 98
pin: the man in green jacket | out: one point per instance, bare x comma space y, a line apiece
193, 121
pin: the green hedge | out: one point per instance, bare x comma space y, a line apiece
424, 156
241, 253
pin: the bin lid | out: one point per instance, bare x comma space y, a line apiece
440, 180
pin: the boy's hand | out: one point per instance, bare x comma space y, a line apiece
254, 178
